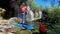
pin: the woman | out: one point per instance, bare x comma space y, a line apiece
22, 13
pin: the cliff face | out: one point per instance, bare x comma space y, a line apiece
11, 7
6, 4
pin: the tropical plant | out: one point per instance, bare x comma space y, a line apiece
1, 12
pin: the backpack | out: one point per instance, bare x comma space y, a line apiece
42, 27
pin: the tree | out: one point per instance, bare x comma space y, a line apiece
41, 8
57, 12
53, 13
32, 4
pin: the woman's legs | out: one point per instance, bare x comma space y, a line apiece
23, 18
20, 18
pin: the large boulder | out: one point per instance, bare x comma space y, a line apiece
2, 31
14, 20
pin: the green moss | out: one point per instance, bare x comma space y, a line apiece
25, 32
